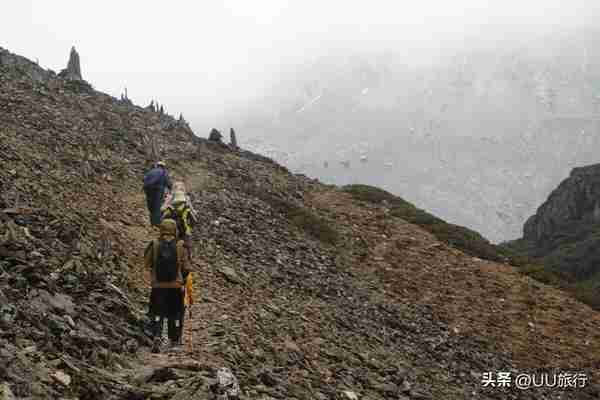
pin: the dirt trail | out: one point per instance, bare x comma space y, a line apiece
197, 335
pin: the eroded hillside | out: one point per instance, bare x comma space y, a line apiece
304, 292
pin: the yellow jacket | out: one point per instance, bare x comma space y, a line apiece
188, 296
180, 210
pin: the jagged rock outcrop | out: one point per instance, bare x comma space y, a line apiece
125, 98
564, 235
182, 123
73, 70
13, 66
150, 107
233, 139
215, 136
575, 200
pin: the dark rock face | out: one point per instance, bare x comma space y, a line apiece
73, 70
577, 199
233, 139
563, 235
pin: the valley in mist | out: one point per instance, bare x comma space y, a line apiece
477, 134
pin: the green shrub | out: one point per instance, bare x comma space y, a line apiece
371, 194
588, 292
541, 273
312, 224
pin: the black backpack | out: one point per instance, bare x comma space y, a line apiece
165, 260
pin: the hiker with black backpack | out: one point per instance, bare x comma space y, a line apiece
156, 181
181, 212
166, 259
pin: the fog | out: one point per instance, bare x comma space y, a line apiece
200, 58
406, 87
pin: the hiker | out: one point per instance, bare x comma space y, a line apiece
188, 301
167, 262
180, 211
155, 182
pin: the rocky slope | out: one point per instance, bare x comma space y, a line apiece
304, 292
70, 155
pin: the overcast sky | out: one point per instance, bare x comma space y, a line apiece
199, 57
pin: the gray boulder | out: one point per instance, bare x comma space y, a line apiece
215, 136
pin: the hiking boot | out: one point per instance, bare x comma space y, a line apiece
176, 347
156, 345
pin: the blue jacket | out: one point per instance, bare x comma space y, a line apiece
157, 178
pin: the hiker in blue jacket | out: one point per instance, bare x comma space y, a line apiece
155, 182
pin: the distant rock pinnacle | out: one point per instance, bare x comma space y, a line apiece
73, 70
233, 139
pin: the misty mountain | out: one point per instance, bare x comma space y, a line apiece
303, 290
478, 135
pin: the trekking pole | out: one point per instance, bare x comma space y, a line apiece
191, 331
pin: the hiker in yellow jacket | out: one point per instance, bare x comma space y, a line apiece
179, 211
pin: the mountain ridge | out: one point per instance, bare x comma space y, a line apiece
378, 309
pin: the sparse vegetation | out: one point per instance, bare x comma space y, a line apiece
567, 267
540, 273
460, 237
299, 216
588, 292
372, 194
309, 222
569, 260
